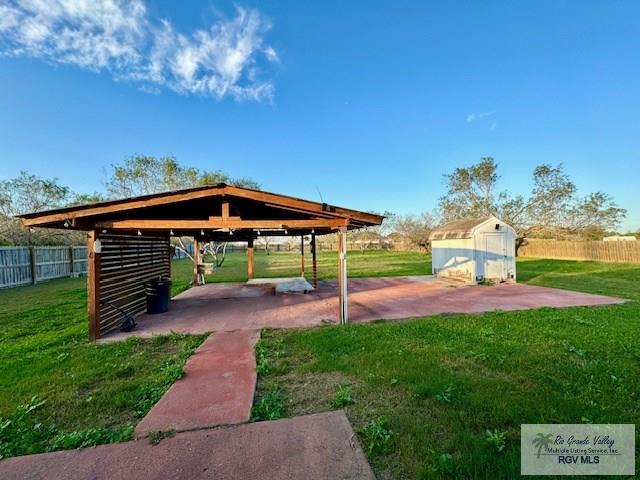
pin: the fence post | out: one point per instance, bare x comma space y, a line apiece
71, 262
32, 258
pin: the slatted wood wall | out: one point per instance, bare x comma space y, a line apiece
126, 263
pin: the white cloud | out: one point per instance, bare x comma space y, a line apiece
472, 117
271, 54
149, 89
117, 36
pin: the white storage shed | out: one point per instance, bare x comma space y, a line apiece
474, 250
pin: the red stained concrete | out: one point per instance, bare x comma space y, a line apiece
224, 307
313, 447
217, 388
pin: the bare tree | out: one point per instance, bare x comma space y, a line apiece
414, 229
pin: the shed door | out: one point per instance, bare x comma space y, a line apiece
495, 255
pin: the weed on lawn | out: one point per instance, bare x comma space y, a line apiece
377, 435
343, 396
271, 405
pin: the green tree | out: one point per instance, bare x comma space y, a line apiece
552, 208
29, 193
145, 174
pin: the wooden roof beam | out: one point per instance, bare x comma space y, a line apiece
305, 205
118, 206
220, 223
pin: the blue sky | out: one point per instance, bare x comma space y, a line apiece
370, 102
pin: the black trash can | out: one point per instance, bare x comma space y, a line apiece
157, 292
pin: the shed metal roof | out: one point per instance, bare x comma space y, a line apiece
456, 229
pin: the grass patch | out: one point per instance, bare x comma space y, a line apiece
372, 263
271, 405
59, 391
444, 396
616, 279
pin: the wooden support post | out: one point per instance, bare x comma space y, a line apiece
342, 276
32, 260
93, 285
250, 266
169, 256
302, 256
314, 277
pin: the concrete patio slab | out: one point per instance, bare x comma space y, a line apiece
217, 388
226, 307
313, 447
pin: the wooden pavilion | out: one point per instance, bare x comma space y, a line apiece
128, 240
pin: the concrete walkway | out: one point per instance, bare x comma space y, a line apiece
313, 447
217, 389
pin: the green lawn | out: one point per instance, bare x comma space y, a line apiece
57, 390
444, 397
615, 279
97, 393
440, 382
374, 263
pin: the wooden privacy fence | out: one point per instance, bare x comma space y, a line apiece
27, 265
622, 252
